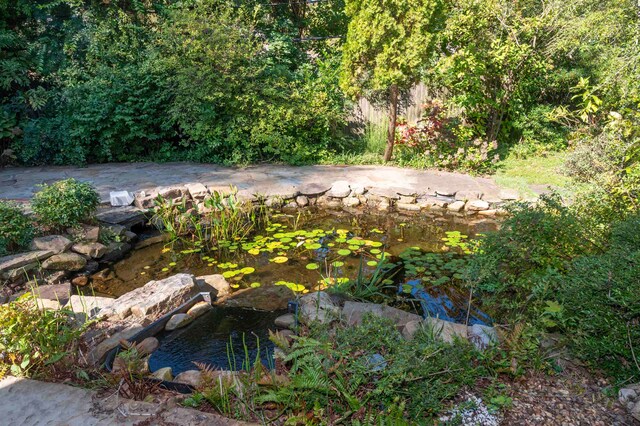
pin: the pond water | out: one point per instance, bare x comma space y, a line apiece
417, 257
224, 338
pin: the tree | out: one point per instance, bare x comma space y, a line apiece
388, 43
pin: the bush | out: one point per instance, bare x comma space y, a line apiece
32, 339
65, 203
16, 229
601, 304
535, 242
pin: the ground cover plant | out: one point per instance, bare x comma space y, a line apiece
65, 203
16, 229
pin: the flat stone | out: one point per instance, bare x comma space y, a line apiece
314, 189
467, 195
390, 193
353, 313
446, 192
153, 298
178, 321
508, 194
97, 354
285, 321
197, 191
85, 233
120, 198
383, 205
21, 272
446, 330
92, 249
15, 261
456, 206
46, 304
267, 298
317, 307
129, 236
437, 202
144, 200
189, 377
302, 200
126, 216
65, 262
477, 205
357, 189
88, 305
164, 374
116, 251
407, 199
54, 243
488, 213
340, 189
199, 309
216, 284
408, 207
172, 192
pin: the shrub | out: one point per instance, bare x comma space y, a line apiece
601, 304
32, 339
65, 203
16, 229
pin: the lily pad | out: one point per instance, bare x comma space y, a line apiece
344, 252
280, 259
312, 266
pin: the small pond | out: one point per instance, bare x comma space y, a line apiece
415, 262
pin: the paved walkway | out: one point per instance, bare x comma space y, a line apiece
19, 183
29, 402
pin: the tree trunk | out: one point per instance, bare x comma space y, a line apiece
393, 115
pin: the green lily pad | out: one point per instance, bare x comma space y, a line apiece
344, 252
280, 259
312, 266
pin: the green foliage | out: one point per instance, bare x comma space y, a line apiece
65, 203
33, 340
599, 296
16, 229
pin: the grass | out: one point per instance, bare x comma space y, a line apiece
522, 174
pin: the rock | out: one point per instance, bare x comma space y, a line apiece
120, 198
116, 251
477, 205
268, 298
340, 189
154, 298
468, 195
408, 207
54, 243
199, 309
129, 236
285, 321
456, 206
65, 262
314, 189
164, 374
318, 307
350, 202
384, 205
144, 201
92, 249
488, 213
58, 277
113, 230
173, 193
302, 200
411, 328
353, 313
390, 193
91, 266
482, 336
509, 194
375, 363
406, 199
52, 305
446, 192
58, 292
189, 377
128, 216
20, 273
148, 346
85, 233
88, 305
178, 321
80, 280
626, 395
216, 284
446, 330
97, 354
15, 261
357, 189
197, 191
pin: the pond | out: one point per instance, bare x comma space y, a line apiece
313, 250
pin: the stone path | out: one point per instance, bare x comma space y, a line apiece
19, 183
29, 402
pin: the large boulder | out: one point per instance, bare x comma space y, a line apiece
58, 292
354, 312
54, 243
65, 262
317, 307
154, 298
215, 284
271, 298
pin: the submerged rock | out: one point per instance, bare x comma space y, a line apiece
271, 298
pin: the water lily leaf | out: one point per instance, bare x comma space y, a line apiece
372, 263
354, 248
247, 270
280, 259
254, 251
375, 251
376, 244
312, 266
344, 252
165, 269
255, 285
172, 264
338, 264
